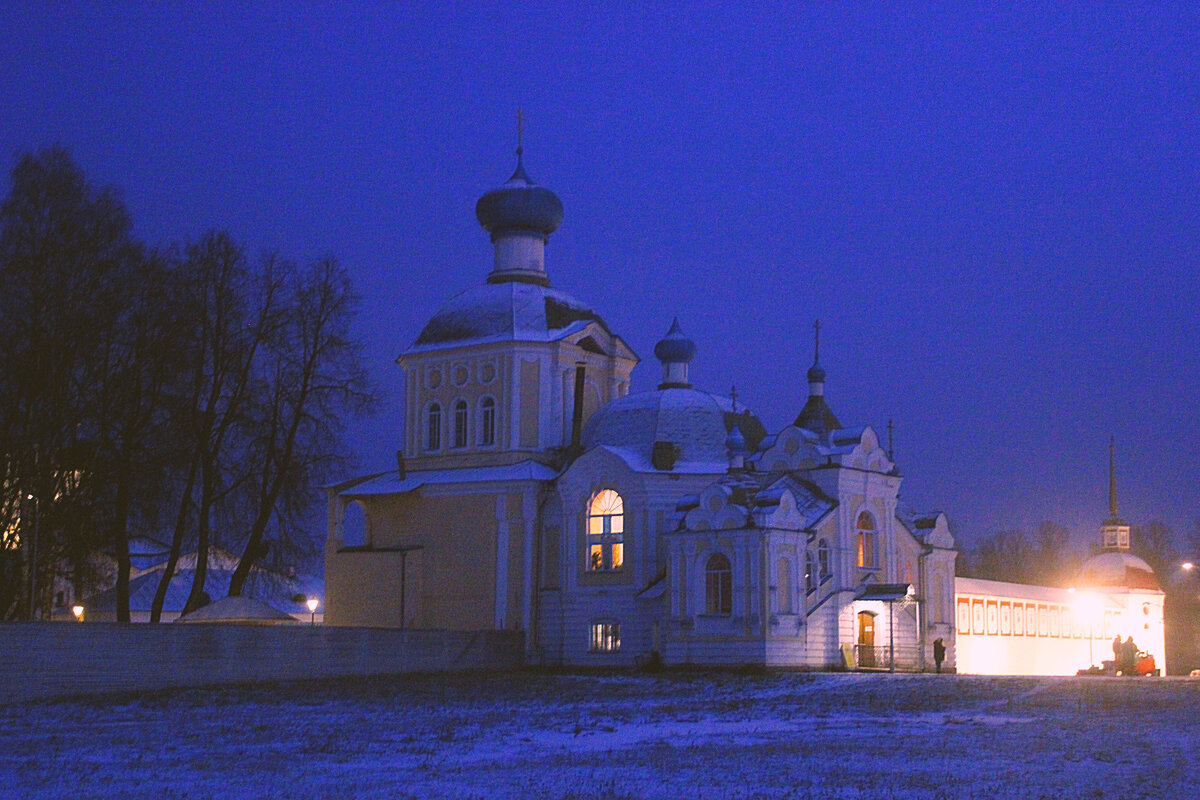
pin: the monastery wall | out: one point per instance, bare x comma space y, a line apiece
1014, 629
47, 660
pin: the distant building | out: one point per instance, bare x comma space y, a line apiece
534, 493
285, 592
1008, 628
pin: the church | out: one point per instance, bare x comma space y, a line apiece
533, 492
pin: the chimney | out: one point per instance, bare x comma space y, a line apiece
577, 413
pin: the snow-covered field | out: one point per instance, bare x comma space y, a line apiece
701, 735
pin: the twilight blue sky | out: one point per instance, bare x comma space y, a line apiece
994, 213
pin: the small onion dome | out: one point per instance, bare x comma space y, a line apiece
519, 205
675, 347
816, 374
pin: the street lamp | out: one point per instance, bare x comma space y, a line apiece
312, 608
33, 554
77, 610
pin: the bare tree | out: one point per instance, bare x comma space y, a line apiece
232, 314
312, 376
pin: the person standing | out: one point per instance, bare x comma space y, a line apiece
939, 654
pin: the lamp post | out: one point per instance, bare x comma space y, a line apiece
312, 609
33, 544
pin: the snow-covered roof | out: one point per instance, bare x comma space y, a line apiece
503, 312
390, 482
640, 461
752, 499
979, 586
1117, 570
238, 609
695, 422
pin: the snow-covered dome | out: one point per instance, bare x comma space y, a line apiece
512, 311
696, 422
519, 205
675, 346
1117, 569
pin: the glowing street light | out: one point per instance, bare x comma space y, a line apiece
312, 608
1188, 565
77, 610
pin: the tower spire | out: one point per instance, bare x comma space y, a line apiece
1112, 477
1114, 533
520, 132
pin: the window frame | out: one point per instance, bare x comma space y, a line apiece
462, 413
604, 637
824, 572
868, 542
487, 421
718, 585
605, 548
433, 427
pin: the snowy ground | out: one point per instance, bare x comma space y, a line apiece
703, 735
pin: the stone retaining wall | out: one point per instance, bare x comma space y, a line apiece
47, 660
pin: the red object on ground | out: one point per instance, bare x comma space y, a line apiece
1145, 665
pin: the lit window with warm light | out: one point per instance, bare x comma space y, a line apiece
605, 637
866, 541
606, 532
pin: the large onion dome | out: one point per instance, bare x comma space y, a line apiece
519, 205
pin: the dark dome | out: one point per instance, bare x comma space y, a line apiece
816, 374
519, 205
675, 346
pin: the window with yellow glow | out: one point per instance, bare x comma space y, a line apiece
866, 540
606, 531
605, 637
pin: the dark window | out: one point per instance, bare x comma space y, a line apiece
433, 428
487, 421
460, 423
718, 585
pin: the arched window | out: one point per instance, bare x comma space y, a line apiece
460, 423
823, 572
783, 578
810, 573
606, 531
433, 427
718, 585
866, 540
487, 421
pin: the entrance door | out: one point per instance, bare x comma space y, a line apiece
866, 639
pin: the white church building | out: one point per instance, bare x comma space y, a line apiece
533, 492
